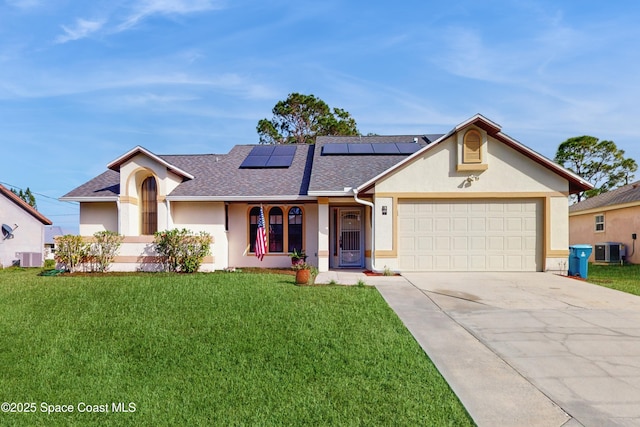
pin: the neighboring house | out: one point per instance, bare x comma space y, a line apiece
22, 239
50, 234
613, 216
471, 200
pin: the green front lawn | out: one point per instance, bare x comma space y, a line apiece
212, 349
624, 278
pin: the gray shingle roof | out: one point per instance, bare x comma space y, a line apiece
337, 172
626, 194
107, 184
219, 175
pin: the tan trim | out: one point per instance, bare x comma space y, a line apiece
133, 259
472, 167
483, 195
129, 199
606, 209
323, 254
386, 254
323, 200
161, 199
546, 231
138, 239
543, 198
557, 253
472, 147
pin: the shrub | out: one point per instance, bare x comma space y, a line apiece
182, 250
71, 251
49, 264
102, 251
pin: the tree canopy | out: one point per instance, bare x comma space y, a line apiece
601, 163
300, 118
27, 196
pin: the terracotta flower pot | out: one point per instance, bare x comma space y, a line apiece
302, 277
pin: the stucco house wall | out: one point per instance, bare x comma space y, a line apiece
508, 175
28, 235
215, 193
619, 225
98, 216
238, 236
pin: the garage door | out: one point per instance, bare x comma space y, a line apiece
470, 235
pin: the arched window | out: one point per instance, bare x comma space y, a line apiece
472, 143
276, 232
149, 208
254, 215
295, 229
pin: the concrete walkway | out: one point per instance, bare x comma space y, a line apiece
524, 349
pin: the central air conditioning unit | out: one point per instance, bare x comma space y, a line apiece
30, 259
609, 252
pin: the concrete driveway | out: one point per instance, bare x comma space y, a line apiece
528, 348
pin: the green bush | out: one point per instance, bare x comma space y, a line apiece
181, 250
71, 251
102, 251
49, 264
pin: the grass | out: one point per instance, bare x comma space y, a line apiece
212, 349
624, 278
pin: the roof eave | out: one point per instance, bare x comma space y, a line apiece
115, 165
84, 199
240, 198
25, 206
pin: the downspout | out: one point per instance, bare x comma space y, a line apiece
373, 228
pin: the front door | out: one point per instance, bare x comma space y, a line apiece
350, 237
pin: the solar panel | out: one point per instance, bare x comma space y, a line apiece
335, 149
269, 156
407, 147
360, 148
279, 161
385, 149
284, 150
255, 161
262, 150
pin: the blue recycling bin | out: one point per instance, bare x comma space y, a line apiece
579, 260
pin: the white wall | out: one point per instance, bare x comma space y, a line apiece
28, 235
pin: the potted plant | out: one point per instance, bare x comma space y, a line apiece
303, 273
298, 257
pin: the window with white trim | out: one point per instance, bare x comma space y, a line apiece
599, 222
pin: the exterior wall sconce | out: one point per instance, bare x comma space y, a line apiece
471, 178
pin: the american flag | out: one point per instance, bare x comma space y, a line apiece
261, 237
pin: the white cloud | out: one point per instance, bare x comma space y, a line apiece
83, 28
146, 8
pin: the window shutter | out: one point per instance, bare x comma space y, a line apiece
472, 144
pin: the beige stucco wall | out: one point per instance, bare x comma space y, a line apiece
508, 171
28, 235
208, 217
508, 174
238, 236
98, 216
132, 174
619, 224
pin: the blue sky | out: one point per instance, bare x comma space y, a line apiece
83, 82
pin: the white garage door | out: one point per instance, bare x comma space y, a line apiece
470, 235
